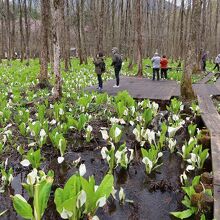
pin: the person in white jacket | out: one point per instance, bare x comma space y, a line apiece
156, 66
217, 63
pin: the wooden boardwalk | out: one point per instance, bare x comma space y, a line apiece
165, 90
143, 88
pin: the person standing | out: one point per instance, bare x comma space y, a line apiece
217, 62
204, 59
99, 69
156, 66
164, 67
117, 63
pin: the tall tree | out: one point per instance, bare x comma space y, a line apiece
13, 30
190, 60
27, 33
45, 26
139, 38
100, 46
57, 22
21, 30
67, 61
8, 29
216, 27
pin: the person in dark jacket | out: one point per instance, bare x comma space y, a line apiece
99, 69
117, 63
204, 59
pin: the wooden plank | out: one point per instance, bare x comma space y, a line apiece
206, 105
212, 122
206, 78
216, 202
215, 151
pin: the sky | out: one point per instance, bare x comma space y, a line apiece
178, 1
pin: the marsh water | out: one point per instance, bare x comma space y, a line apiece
153, 196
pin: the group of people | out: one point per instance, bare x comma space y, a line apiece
100, 66
160, 66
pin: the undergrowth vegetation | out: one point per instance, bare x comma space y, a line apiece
34, 131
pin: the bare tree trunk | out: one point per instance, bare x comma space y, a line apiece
113, 23
139, 38
21, 31
101, 22
57, 21
84, 54
121, 24
8, 29
216, 27
181, 29
2, 33
67, 62
203, 28
27, 49
174, 29
43, 76
13, 30
190, 61
78, 5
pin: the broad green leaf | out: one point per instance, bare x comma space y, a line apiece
105, 187
22, 207
184, 214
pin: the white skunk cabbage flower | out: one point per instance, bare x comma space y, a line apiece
25, 163
81, 200
104, 134
60, 160
32, 177
65, 214
121, 195
101, 201
82, 169
117, 132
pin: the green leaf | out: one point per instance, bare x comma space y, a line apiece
88, 187
22, 207
147, 116
196, 180
209, 192
105, 187
203, 217
189, 190
41, 195
184, 214
186, 201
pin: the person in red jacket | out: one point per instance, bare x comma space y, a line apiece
164, 67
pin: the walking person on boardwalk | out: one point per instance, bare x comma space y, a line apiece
164, 67
217, 63
99, 69
156, 66
204, 59
117, 63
